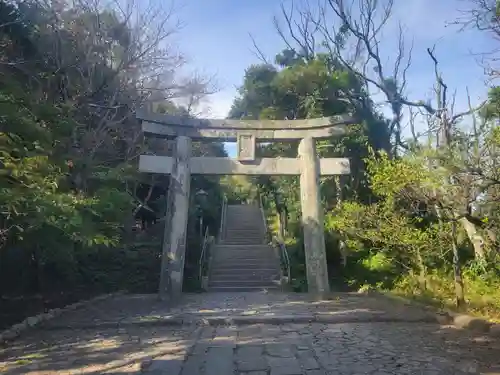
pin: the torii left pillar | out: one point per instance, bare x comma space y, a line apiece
174, 243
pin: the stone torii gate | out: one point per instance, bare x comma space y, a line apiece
246, 133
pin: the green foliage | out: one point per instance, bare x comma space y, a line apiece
69, 187
391, 220
307, 87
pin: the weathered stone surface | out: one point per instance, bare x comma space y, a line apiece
280, 350
250, 351
312, 219
187, 121
219, 361
472, 323
228, 166
174, 246
284, 366
245, 148
292, 348
316, 372
286, 371
251, 364
307, 360
495, 330
444, 318
146, 364
193, 365
231, 135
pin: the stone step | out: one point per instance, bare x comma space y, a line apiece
243, 283
245, 217
243, 207
244, 214
243, 270
243, 242
239, 253
244, 254
245, 277
237, 224
243, 230
244, 236
243, 262
232, 278
242, 249
223, 246
233, 236
248, 258
232, 289
218, 267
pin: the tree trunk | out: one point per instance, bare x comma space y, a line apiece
422, 279
475, 238
457, 271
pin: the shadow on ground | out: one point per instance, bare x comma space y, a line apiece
314, 348
132, 309
382, 348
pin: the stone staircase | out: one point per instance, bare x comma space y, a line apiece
241, 260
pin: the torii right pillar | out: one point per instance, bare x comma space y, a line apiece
312, 219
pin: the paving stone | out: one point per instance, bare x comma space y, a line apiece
284, 366
309, 363
252, 364
280, 350
169, 364
219, 361
246, 352
220, 352
316, 372
200, 348
258, 349
193, 365
286, 371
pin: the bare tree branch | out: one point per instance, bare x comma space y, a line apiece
258, 52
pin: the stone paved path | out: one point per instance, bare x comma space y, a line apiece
90, 345
244, 307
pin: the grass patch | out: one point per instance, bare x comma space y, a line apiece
482, 293
34, 356
22, 362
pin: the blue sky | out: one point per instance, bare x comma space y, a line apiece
216, 40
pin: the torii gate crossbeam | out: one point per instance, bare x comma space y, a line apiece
180, 167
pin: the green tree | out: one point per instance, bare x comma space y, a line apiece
71, 78
298, 88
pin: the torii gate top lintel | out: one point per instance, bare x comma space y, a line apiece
165, 125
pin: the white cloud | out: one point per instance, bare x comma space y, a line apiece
219, 104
